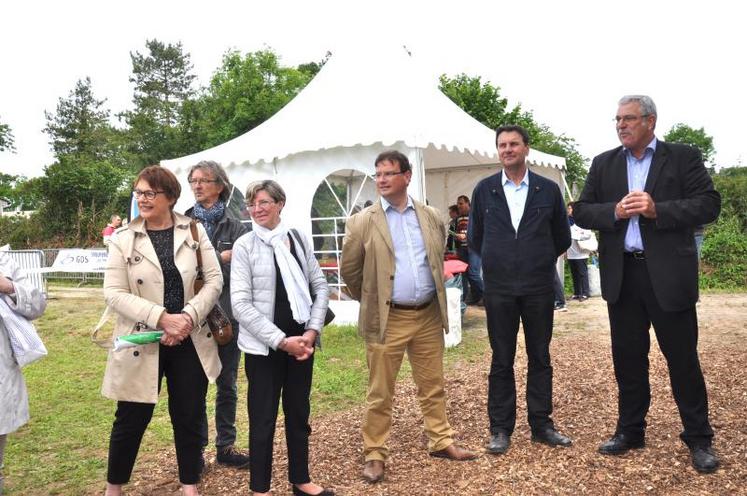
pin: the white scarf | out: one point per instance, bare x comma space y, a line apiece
294, 280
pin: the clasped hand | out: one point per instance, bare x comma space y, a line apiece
176, 327
636, 203
301, 347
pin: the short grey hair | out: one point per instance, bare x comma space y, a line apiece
648, 107
269, 186
218, 172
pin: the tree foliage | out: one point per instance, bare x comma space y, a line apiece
682, 133
484, 102
6, 138
163, 82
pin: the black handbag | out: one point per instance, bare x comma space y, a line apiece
330, 315
217, 320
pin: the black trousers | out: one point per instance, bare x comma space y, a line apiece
270, 377
187, 385
503, 314
677, 334
580, 275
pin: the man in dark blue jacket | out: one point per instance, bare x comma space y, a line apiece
519, 226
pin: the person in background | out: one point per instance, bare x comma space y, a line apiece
114, 223
279, 296
519, 226
149, 284
645, 198
24, 299
577, 259
451, 241
211, 188
470, 257
559, 293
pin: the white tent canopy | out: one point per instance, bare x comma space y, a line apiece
359, 105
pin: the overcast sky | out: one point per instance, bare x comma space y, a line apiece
568, 62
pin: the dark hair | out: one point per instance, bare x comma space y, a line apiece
161, 179
512, 128
463, 197
394, 156
453, 208
218, 173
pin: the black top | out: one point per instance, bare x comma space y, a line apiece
173, 288
283, 313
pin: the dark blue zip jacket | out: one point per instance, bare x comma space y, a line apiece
518, 263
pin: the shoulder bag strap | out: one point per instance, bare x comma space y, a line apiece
199, 282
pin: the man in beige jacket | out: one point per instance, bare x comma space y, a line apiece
392, 262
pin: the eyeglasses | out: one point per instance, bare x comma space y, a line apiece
260, 204
627, 119
386, 175
201, 181
150, 194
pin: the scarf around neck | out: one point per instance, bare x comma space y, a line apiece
295, 281
209, 216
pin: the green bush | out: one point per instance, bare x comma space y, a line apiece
724, 261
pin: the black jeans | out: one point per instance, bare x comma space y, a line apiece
187, 385
580, 274
226, 395
503, 314
270, 377
631, 318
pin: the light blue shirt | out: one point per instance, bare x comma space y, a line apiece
413, 280
637, 175
516, 197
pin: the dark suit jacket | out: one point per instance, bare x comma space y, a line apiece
684, 195
518, 263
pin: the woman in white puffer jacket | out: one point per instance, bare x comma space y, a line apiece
24, 299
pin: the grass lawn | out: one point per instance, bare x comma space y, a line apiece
63, 449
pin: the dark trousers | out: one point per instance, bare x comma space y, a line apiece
270, 377
226, 395
677, 334
580, 274
187, 385
558, 290
473, 274
503, 314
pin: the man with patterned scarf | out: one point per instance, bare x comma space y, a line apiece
212, 191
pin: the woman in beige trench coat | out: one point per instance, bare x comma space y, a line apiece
149, 284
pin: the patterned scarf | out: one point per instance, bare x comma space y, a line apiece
209, 216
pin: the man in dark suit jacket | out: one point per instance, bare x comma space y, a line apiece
519, 226
645, 198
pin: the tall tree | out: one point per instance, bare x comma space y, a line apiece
80, 126
6, 138
245, 91
682, 133
163, 83
484, 102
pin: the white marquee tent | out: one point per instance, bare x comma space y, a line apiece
359, 105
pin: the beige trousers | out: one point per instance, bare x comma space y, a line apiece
420, 333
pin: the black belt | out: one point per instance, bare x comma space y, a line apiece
398, 306
638, 255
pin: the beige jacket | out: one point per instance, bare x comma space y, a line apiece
367, 265
133, 288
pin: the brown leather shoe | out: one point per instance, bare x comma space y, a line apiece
454, 452
373, 471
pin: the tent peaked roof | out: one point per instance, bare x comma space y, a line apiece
362, 98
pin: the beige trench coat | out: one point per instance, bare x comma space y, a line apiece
367, 265
133, 288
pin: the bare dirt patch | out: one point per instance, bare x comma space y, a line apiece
585, 409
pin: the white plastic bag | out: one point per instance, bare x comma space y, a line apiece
595, 283
454, 313
24, 341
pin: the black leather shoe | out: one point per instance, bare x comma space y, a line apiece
551, 437
498, 443
705, 460
619, 444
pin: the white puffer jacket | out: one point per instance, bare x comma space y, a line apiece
253, 292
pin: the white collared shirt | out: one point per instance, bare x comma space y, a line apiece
516, 197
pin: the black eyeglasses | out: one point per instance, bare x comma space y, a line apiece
149, 194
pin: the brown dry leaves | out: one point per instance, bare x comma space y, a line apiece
585, 409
